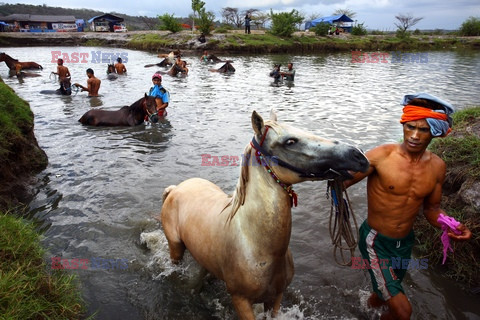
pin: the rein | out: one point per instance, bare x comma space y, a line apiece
342, 233
261, 160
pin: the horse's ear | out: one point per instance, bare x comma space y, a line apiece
273, 115
257, 123
146, 95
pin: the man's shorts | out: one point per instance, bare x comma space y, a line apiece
380, 250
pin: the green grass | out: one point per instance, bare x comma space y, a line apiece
149, 41
461, 153
15, 117
27, 289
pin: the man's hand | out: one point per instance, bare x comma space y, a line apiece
465, 234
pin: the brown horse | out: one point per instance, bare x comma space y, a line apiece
244, 239
226, 68
14, 64
144, 108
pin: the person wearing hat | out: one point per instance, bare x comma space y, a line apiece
403, 178
93, 84
160, 93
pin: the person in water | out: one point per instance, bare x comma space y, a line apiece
93, 84
403, 179
120, 67
162, 97
62, 71
275, 73
288, 75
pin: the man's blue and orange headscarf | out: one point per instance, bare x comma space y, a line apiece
439, 120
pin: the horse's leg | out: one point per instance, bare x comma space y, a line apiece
274, 305
243, 307
169, 218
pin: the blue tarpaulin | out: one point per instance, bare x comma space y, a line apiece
330, 20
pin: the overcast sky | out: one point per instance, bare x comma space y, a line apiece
375, 14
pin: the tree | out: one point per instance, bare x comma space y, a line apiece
170, 23
259, 19
197, 5
205, 21
349, 13
231, 16
406, 21
470, 27
283, 23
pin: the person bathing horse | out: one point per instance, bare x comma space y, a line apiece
17, 66
135, 114
244, 239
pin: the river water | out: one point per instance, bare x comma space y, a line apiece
102, 189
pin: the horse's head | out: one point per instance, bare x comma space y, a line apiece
296, 155
150, 107
110, 68
66, 86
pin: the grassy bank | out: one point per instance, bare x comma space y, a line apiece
461, 152
27, 289
20, 155
300, 42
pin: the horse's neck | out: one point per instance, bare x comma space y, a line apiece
265, 217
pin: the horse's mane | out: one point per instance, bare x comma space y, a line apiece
136, 106
238, 197
7, 56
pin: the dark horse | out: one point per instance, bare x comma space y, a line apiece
65, 88
226, 68
111, 72
133, 115
176, 70
14, 64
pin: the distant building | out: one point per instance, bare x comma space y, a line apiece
105, 23
40, 23
341, 21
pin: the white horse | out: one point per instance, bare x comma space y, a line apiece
244, 239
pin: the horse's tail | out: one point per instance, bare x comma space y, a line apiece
167, 191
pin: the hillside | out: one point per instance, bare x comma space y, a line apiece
133, 23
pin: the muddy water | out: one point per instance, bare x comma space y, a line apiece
102, 189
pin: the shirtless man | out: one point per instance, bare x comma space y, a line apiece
120, 67
402, 179
93, 84
62, 71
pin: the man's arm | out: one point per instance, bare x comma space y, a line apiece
431, 205
160, 104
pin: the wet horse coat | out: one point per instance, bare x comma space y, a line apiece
244, 239
15, 65
127, 116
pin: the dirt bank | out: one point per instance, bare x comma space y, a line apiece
20, 156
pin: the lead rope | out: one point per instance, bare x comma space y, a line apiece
344, 237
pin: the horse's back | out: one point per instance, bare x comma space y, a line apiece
193, 197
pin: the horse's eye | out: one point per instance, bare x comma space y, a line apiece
290, 142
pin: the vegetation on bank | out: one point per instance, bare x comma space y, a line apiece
461, 153
27, 289
305, 42
20, 156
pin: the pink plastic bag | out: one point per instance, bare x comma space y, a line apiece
446, 223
